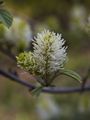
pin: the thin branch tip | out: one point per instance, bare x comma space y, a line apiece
50, 89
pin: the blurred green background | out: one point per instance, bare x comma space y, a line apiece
72, 19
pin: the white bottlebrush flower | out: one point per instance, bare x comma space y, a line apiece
19, 32
46, 60
49, 52
48, 57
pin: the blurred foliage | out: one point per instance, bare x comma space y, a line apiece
5, 18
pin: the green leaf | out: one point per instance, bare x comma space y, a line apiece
37, 91
6, 18
71, 73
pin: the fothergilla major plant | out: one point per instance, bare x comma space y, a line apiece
47, 60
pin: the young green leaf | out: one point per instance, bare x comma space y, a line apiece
6, 18
71, 73
37, 91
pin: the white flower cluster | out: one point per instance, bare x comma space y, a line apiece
19, 32
48, 57
49, 52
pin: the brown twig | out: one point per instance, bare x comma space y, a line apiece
54, 90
